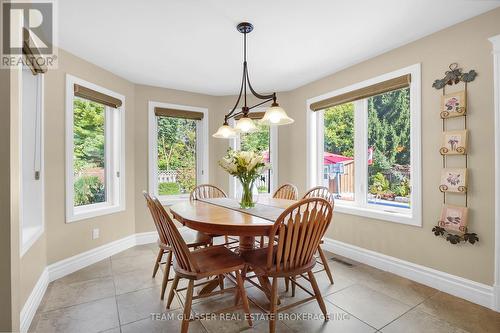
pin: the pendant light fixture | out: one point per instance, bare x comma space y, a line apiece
275, 115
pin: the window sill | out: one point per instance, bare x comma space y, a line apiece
29, 236
378, 214
169, 200
88, 213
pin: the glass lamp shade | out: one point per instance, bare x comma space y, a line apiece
225, 132
245, 125
275, 115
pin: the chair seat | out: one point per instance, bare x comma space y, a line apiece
212, 260
191, 237
257, 259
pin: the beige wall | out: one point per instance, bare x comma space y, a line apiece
467, 44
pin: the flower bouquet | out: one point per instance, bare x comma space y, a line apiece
247, 166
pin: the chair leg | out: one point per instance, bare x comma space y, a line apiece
157, 263
274, 301
287, 283
243, 277
317, 294
243, 295
166, 275
261, 241
221, 282
325, 264
187, 307
293, 286
172, 290
226, 238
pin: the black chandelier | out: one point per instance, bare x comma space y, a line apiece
274, 115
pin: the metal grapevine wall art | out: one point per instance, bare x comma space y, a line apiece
453, 223
454, 76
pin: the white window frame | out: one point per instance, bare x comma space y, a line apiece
315, 143
202, 141
115, 161
273, 150
30, 234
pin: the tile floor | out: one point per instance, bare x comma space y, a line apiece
119, 295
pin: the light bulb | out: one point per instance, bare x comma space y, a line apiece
245, 125
275, 115
225, 132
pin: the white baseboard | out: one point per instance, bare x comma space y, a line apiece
69, 265
29, 309
467, 289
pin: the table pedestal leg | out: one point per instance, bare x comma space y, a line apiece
246, 243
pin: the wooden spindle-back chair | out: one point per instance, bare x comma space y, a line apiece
320, 192
209, 191
298, 231
192, 238
287, 191
199, 264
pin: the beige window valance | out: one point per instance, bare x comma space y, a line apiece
175, 113
252, 115
31, 55
95, 96
365, 92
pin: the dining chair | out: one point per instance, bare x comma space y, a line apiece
298, 231
321, 192
199, 264
193, 239
285, 191
209, 191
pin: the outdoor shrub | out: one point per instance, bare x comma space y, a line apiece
89, 190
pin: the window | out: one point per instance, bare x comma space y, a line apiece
178, 154
32, 181
263, 141
365, 147
95, 179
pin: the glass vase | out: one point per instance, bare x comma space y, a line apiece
248, 194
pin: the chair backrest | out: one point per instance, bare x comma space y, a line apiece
320, 192
287, 191
206, 191
299, 229
162, 233
181, 251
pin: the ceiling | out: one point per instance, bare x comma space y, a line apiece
193, 44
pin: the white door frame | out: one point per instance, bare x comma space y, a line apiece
496, 69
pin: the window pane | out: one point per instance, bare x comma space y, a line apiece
338, 156
389, 149
176, 155
89, 162
259, 142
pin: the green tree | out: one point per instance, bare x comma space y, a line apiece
88, 134
339, 129
257, 141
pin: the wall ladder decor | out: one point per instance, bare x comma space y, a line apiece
453, 222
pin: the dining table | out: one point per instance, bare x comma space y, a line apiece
223, 216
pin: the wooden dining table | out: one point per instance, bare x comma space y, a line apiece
223, 216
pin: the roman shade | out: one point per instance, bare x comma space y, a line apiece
32, 57
252, 115
365, 92
176, 113
95, 96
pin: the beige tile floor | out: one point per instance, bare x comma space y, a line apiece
119, 295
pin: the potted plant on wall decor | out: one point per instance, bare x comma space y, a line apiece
247, 166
